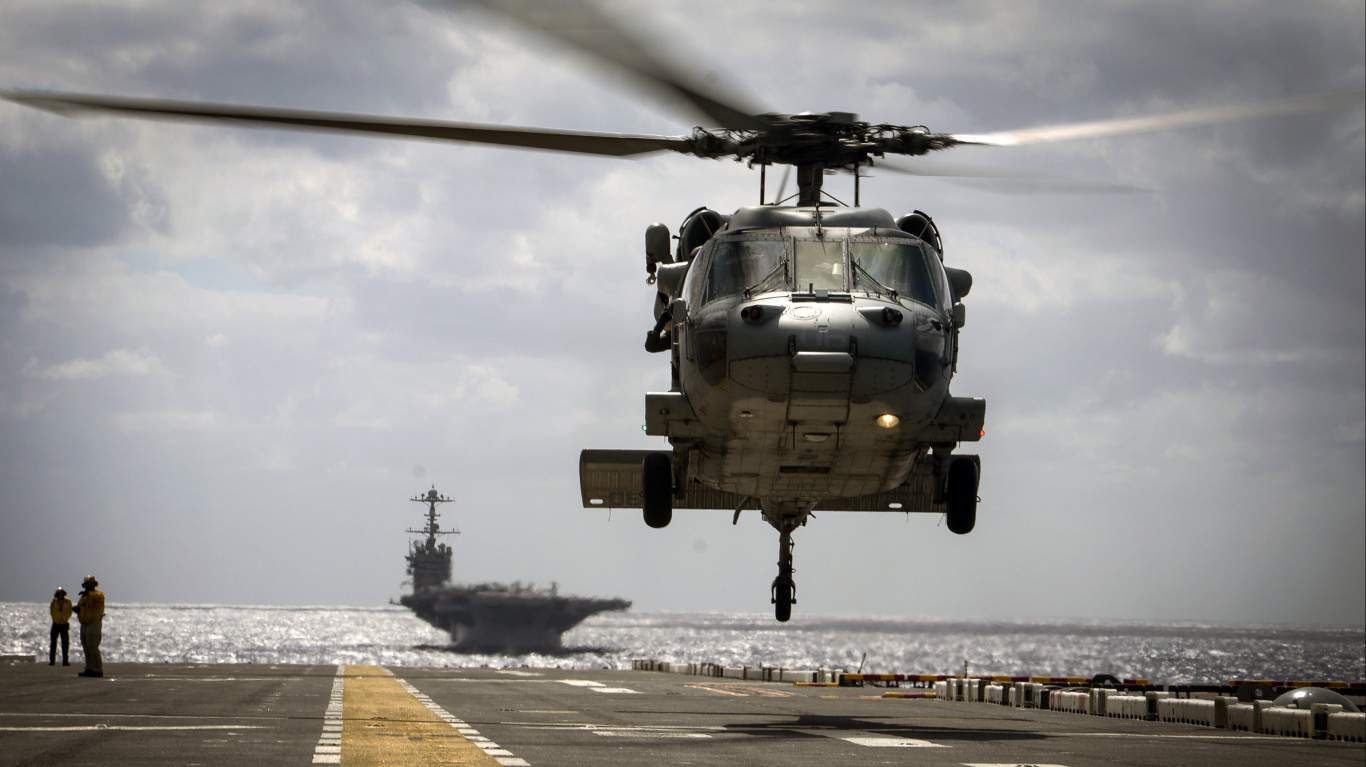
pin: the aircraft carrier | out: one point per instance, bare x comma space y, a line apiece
488, 617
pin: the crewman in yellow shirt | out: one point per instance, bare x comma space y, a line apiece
90, 611
61, 627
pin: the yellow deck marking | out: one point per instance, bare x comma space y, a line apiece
740, 690
384, 725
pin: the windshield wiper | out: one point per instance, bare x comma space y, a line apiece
750, 289
871, 278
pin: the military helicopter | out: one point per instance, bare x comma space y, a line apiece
812, 344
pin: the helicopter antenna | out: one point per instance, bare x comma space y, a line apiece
778, 198
833, 197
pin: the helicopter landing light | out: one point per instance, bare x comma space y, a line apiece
813, 437
746, 414
888, 421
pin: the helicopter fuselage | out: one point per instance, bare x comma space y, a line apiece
812, 355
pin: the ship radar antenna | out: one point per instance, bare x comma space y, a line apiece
433, 526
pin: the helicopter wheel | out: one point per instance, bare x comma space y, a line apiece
657, 489
961, 496
782, 601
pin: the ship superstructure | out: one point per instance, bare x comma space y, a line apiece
488, 617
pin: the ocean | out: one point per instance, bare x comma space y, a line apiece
391, 636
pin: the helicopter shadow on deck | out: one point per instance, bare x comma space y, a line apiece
562, 652
823, 726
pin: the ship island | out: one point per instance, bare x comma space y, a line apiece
488, 617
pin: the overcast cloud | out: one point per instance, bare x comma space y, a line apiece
228, 356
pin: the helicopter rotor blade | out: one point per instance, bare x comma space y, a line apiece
588, 29
1006, 180
1128, 125
581, 142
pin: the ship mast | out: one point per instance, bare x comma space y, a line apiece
433, 528
429, 562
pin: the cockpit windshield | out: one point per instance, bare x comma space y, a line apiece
899, 266
820, 265
740, 265
834, 264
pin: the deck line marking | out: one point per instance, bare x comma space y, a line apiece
884, 742
511, 672
328, 750
615, 727
488, 680
665, 735
718, 690
74, 715
580, 683
127, 727
615, 690
502, 756
1174, 737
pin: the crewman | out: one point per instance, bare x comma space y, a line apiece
90, 611
61, 627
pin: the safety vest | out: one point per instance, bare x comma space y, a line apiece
90, 608
61, 610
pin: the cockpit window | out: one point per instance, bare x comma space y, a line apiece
737, 265
895, 265
820, 265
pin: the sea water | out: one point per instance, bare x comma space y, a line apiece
392, 636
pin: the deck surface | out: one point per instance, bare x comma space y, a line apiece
247, 714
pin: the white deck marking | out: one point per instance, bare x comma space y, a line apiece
127, 727
510, 672
1173, 737
1010, 764
490, 680
328, 750
616, 690
580, 683
82, 715
656, 734
504, 757
622, 727
891, 742
663, 731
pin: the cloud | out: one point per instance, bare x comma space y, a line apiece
114, 363
295, 321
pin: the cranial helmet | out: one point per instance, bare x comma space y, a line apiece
89, 581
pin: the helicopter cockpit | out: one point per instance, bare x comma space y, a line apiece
899, 268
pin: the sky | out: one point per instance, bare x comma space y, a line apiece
229, 356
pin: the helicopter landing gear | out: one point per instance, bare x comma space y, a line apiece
784, 589
657, 489
960, 495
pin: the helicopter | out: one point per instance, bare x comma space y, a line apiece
811, 345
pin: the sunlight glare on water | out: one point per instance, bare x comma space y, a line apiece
391, 636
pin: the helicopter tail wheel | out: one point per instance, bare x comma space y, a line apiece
961, 496
657, 489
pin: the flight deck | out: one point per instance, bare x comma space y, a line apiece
360, 714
